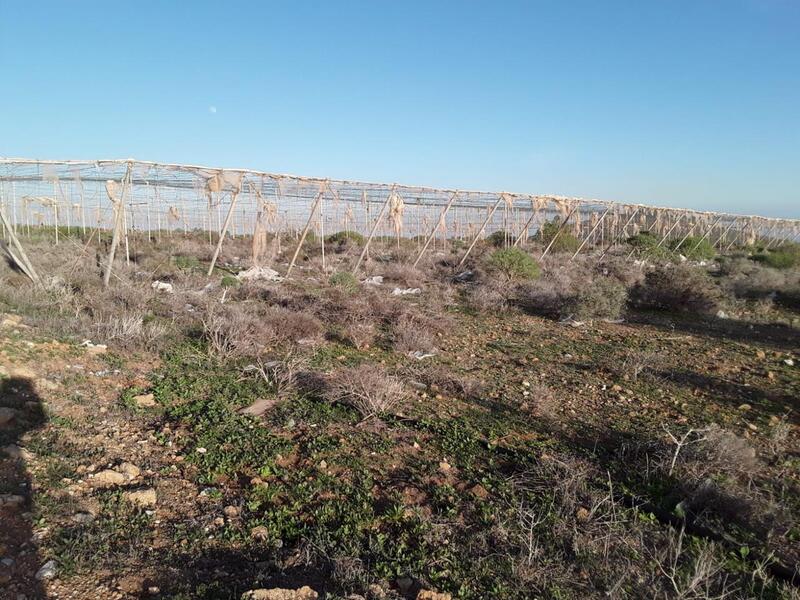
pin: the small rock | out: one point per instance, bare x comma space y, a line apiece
144, 400
788, 362
107, 478
721, 314
7, 415
83, 517
479, 491
46, 571
445, 466
404, 584
230, 511
162, 286
430, 595
760, 354
15, 452
745, 406
94, 348
145, 498
7, 562
303, 593
130, 470
259, 533
11, 500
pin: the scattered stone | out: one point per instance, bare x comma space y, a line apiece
230, 512
46, 571
374, 280
259, 273
144, 400
445, 466
94, 348
145, 498
420, 354
7, 415
259, 407
303, 593
260, 533
404, 585
721, 314
479, 491
760, 354
430, 595
406, 292
10, 320
130, 470
108, 478
83, 517
788, 362
11, 500
745, 406
162, 286
7, 562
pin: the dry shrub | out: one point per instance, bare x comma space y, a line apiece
235, 329
603, 298
678, 288
404, 275
129, 330
282, 375
412, 332
635, 363
573, 290
627, 272
544, 401
367, 388
441, 379
490, 295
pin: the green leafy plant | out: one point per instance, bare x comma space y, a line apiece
514, 264
694, 248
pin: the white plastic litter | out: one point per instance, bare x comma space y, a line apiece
374, 280
406, 292
162, 286
259, 273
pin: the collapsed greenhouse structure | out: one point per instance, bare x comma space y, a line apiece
153, 200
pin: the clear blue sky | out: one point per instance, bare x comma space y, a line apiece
682, 103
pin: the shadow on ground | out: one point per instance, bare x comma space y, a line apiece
20, 412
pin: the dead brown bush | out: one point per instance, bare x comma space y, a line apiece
678, 288
367, 388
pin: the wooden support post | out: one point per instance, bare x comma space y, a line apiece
526, 228
20, 257
223, 231
479, 233
306, 228
435, 227
373, 230
705, 235
588, 237
118, 216
559, 230
684, 238
724, 233
620, 233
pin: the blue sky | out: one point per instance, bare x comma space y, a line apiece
678, 103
